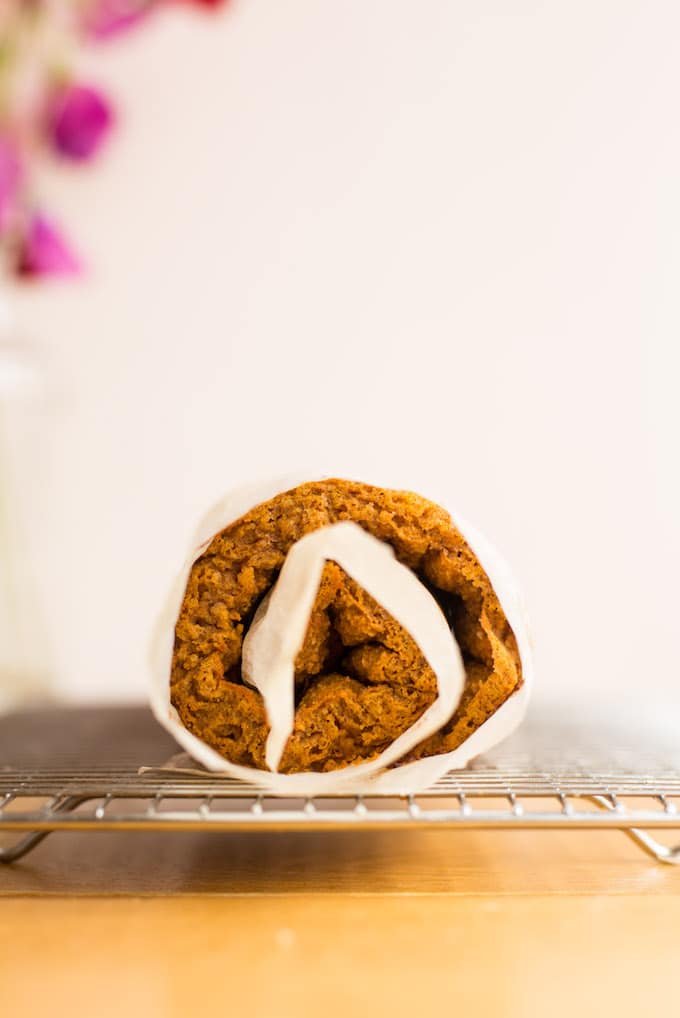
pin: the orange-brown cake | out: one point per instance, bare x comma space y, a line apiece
360, 678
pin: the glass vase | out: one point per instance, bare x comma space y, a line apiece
25, 669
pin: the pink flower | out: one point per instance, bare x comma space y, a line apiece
214, 4
10, 181
43, 252
79, 118
107, 18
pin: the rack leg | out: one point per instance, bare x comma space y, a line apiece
29, 841
23, 846
662, 853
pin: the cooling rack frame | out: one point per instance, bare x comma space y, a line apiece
494, 794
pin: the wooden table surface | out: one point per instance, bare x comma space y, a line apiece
526, 923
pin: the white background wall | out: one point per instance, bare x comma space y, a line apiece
438, 240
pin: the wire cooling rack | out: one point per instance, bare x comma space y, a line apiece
549, 776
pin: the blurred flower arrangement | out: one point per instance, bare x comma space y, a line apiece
47, 112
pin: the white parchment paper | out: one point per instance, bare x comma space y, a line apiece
373, 775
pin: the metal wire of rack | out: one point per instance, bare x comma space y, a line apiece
124, 801
529, 783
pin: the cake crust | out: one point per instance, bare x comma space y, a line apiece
360, 678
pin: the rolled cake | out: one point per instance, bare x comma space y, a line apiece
343, 632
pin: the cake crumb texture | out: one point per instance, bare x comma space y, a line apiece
360, 678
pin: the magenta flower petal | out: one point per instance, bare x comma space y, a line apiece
206, 3
79, 118
107, 18
44, 252
10, 181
